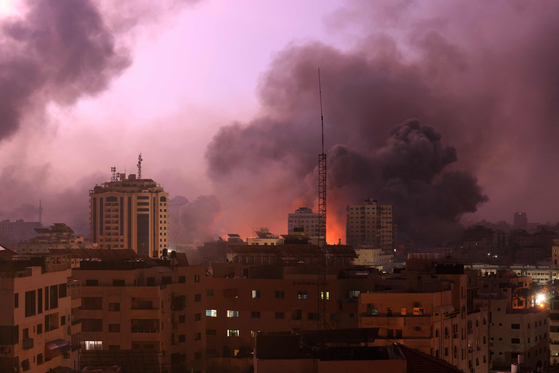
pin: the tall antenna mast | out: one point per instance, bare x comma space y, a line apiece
140, 166
323, 260
40, 212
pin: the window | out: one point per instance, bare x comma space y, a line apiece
92, 345
182, 338
354, 293
30, 303
211, 313
327, 295
92, 303
91, 282
280, 315
182, 318
515, 340
114, 328
92, 325
197, 336
211, 332
166, 280
255, 314
280, 294
119, 283
196, 278
198, 297
255, 294
39, 328
389, 311
233, 332
210, 292
418, 311
231, 313
515, 326
302, 295
114, 307
403, 311
63, 320
197, 317
182, 279
40, 359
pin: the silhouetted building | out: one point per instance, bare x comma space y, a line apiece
58, 236
13, 232
304, 218
520, 220
371, 224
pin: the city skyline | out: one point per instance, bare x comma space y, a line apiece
177, 99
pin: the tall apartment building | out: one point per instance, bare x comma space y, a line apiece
554, 330
132, 304
371, 224
130, 213
429, 309
304, 218
520, 220
39, 331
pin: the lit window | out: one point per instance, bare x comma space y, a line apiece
327, 295
302, 295
233, 332
231, 313
211, 313
255, 294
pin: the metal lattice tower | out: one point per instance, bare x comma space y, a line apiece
140, 166
322, 268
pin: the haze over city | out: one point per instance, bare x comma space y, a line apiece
445, 109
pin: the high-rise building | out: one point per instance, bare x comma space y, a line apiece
520, 220
304, 218
13, 232
129, 213
371, 224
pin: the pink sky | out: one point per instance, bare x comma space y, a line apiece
198, 68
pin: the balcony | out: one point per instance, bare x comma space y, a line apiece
27, 343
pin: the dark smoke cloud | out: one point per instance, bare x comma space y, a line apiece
489, 91
59, 51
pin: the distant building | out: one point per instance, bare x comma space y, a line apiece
58, 236
304, 218
371, 224
130, 214
219, 251
554, 252
520, 220
265, 238
371, 257
13, 232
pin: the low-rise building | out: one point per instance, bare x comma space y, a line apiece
39, 330
373, 257
58, 236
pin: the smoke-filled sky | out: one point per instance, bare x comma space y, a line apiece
446, 109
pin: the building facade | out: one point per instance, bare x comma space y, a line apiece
371, 224
130, 213
132, 305
39, 329
58, 236
304, 218
13, 232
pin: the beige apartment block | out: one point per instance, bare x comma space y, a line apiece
145, 304
130, 214
371, 224
429, 311
371, 257
39, 330
58, 236
554, 330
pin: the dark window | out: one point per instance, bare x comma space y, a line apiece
182, 338
30, 303
40, 300
255, 314
515, 340
210, 292
280, 315
16, 300
9, 335
63, 320
92, 325
198, 297
53, 297
114, 307
119, 283
197, 317
182, 318
280, 294
182, 279
114, 328
197, 336
92, 303
151, 281
211, 332
40, 329
166, 280
62, 291
515, 326
46, 298
196, 278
